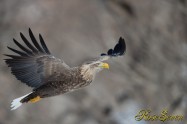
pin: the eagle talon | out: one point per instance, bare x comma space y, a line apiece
36, 99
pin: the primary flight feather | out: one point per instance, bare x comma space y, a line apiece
49, 76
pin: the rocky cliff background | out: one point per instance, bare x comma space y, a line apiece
152, 75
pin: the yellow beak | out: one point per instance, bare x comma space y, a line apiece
105, 65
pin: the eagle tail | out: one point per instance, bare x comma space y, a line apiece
16, 103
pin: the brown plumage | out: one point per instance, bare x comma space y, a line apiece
50, 76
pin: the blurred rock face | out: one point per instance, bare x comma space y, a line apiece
153, 73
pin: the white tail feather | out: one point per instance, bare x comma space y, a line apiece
16, 102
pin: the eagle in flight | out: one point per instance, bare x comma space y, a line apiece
49, 76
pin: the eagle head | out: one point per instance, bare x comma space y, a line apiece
89, 69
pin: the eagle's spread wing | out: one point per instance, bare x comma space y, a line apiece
34, 64
119, 50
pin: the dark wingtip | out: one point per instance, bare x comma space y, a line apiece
44, 46
121, 40
9, 48
35, 42
17, 51
21, 35
110, 52
122, 45
118, 50
103, 54
30, 29
5, 55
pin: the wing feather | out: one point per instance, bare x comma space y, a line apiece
28, 44
43, 44
35, 42
23, 48
119, 49
18, 52
34, 64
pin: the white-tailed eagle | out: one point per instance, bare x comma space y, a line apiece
49, 76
